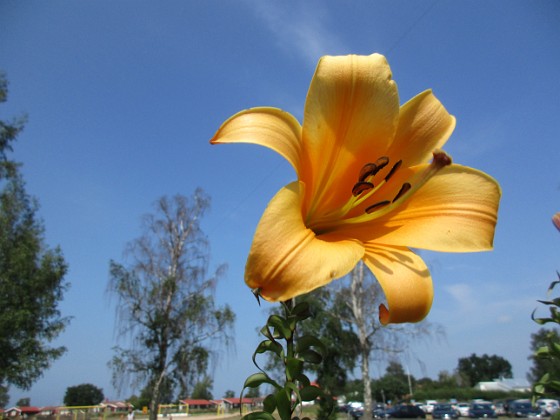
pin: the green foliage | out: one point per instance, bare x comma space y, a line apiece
23, 402
393, 386
166, 303
4, 396
229, 394
294, 355
341, 342
31, 275
542, 365
81, 395
483, 368
203, 389
549, 383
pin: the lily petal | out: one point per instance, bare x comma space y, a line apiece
269, 127
351, 111
406, 281
424, 125
455, 211
287, 259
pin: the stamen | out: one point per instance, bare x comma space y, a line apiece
381, 162
369, 169
360, 187
393, 170
405, 187
375, 206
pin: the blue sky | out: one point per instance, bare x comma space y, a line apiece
123, 97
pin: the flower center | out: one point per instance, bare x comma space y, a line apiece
365, 188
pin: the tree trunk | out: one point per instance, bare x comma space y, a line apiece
357, 288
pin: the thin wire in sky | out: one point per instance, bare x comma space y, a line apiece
410, 28
263, 180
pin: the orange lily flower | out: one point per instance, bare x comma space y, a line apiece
372, 182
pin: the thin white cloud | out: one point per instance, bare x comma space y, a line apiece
463, 295
302, 29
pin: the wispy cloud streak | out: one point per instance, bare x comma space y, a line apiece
302, 30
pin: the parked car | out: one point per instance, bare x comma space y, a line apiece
548, 406
444, 411
500, 408
481, 410
462, 408
523, 408
428, 407
405, 411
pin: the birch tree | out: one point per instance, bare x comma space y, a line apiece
166, 302
376, 342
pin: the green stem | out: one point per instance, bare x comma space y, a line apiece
290, 350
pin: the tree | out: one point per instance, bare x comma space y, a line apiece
203, 389
229, 394
483, 368
23, 402
362, 299
84, 394
340, 341
4, 396
31, 275
165, 301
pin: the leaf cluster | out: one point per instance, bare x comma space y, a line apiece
293, 353
31, 274
549, 384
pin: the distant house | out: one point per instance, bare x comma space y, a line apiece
116, 406
21, 411
49, 411
232, 403
199, 404
504, 385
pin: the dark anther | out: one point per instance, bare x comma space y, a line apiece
405, 187
381, 162
369, 169
360, 187
375, 206
393, 170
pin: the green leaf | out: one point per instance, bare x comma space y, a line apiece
303, 380
283, 404
555, 302
281, 326
270, 345
311, 356
553, 284
310, 393
542, 352
269, 403
294, 367
308, 341
266, 332
257, 379
301, 310
258, 415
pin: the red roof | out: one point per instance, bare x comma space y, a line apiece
198, 402
238, 401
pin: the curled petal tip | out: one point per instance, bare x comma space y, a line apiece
556, 220
383, 314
